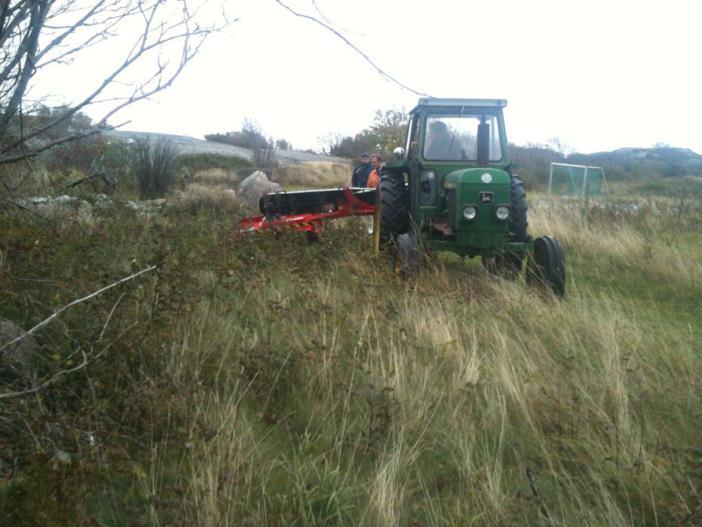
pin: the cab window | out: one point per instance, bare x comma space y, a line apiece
454, 137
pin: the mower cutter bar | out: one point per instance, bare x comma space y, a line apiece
306, 210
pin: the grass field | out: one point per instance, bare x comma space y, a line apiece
258, 380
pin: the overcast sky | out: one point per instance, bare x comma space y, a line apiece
597, 74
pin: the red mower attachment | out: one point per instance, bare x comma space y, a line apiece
306, 210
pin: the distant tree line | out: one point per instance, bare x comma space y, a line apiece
250, 136
387, 131
532, 161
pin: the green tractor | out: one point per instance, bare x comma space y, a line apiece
452, 189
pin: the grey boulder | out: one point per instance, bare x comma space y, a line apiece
255, 186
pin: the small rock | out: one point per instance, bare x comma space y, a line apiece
63, 457
64, 200
102, 201
85, 213
37, 200
60, 207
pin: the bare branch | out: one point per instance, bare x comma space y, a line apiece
322, 15
370, 61
74, 303
48, 382
70, 30
38, 33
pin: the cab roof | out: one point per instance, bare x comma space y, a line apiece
434, 102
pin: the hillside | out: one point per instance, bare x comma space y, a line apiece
191, 145
632, 163
532, 163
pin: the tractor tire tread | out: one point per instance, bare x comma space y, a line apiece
547, 270
518, 219
510, 265
394, 214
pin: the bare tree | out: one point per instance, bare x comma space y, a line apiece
151, 40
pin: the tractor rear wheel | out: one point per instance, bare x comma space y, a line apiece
394, 214
509, 265
546, 266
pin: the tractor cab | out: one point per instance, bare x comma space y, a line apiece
458, 182
466, 131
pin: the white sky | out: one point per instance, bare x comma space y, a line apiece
597, 74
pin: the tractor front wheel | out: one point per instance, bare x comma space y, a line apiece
546, 266
509, 265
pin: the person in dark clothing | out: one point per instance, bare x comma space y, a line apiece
442, 145
361, 172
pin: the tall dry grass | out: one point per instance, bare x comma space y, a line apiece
314, 174
457, 401
309, 385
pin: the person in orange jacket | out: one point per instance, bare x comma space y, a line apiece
374, 176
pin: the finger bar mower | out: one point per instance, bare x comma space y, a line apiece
307, 210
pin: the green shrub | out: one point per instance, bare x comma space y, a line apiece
154, 166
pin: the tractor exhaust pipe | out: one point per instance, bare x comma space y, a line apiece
483, 143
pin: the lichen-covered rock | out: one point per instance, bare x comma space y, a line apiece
61, 207
255, 186
103, 201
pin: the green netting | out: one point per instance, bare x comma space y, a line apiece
570, 181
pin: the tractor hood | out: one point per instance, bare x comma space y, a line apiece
481, 189
476, 176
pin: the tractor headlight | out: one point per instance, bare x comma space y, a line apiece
470, 212
502, 213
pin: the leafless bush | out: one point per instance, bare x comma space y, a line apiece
264, 156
